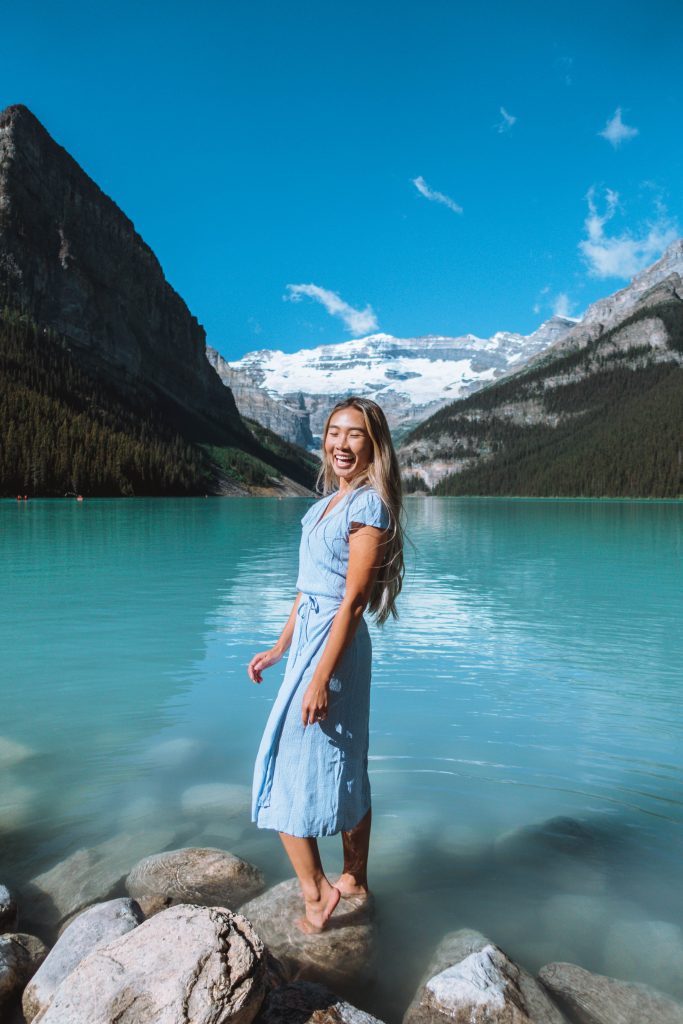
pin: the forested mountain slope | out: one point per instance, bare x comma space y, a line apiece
601, 417
100, 356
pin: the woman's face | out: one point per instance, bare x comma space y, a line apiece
347, 444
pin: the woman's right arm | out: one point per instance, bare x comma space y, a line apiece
264, 659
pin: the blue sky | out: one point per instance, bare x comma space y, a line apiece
308, 172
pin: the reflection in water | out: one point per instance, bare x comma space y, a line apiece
532, 678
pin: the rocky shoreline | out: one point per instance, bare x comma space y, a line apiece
198, 938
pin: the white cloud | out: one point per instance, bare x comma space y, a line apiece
436, 197
616, 132
356, 321
508, 120
562, 305
623, 255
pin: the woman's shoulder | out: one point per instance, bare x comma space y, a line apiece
366, 506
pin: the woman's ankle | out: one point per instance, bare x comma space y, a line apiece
315, 889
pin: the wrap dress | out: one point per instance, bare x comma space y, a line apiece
313, 780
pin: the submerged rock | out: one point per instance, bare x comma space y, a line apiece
304, 1002
17, 805
195, 874
88, 876
646, 951
595, 999
341, 954
13, 753
93, 928
68, 887
188, 963
471, 981
213, 798
173, 753
20, 957
8, 910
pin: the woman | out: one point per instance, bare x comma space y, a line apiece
311, 777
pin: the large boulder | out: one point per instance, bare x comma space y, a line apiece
194, 874
8, 910
471, 981
20, 957
595, 999
304, 1002
93, 928
340, 955
187, 963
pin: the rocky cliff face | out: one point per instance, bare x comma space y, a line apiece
73, 260
284, 418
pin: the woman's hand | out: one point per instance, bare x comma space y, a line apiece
314, 705
260, 661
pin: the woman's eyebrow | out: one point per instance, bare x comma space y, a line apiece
335, 426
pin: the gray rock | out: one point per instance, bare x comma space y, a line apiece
471, 981
20, 957
8, 910
66, 888
303, 1002
341, 954
93, 928
188, 963
646, 951
88, 876
595, 999
194, 874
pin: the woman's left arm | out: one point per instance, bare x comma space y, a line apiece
366, 549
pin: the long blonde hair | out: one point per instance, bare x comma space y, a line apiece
384, 475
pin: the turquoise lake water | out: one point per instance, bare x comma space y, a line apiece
526, 733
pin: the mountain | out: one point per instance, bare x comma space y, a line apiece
284, 418
410, 377
600, 413
86, 304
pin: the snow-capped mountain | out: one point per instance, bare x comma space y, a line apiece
410, 377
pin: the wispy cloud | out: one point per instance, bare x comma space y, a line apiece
623, 255
506, 124
562, 305
356, 321
616, 132
436, 197
564, 66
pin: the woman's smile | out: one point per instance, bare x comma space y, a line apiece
347, 444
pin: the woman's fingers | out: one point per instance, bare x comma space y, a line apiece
257, 664
314, 708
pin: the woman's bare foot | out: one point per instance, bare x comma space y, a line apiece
348, 887
318, 912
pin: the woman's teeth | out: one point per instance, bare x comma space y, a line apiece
344, 460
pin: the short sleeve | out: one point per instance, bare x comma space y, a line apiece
369, 509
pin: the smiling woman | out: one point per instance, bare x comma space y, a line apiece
311, 772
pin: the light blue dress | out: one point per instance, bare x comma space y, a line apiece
313, 780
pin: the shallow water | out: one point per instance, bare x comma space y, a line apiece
534, 674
